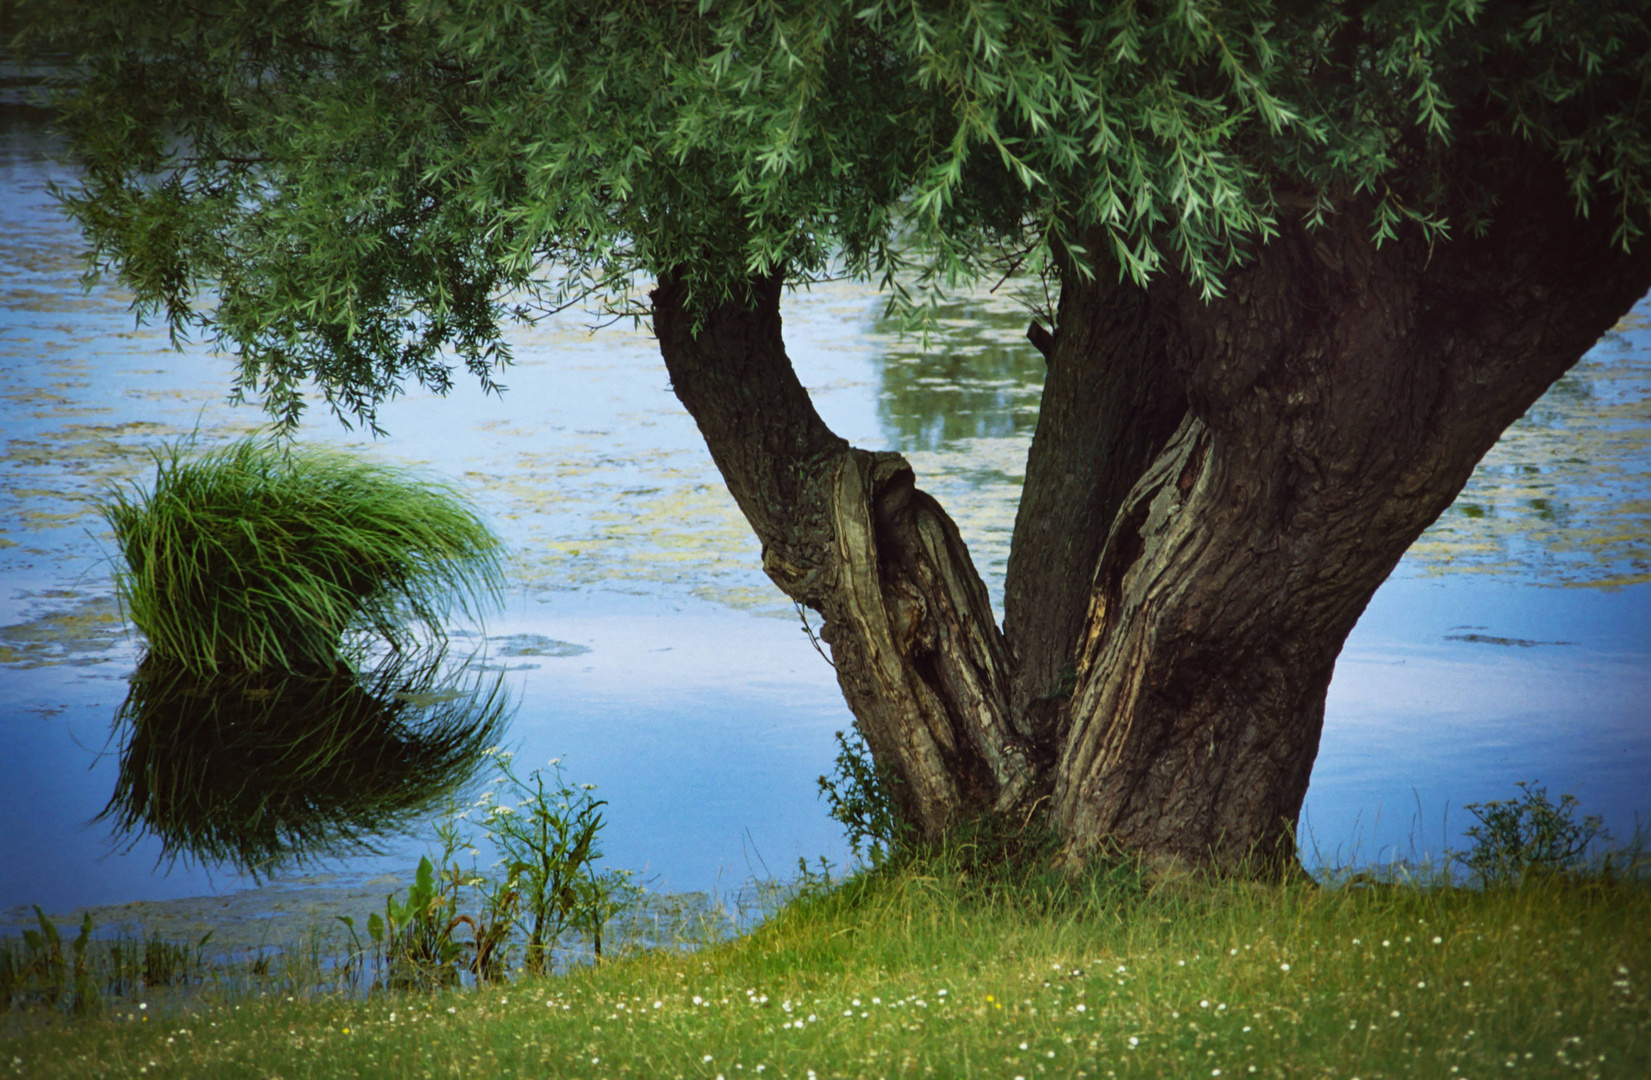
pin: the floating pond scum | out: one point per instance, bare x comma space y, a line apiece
266, 556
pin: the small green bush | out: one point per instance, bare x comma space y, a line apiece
1519, 838
261, 556
860, 797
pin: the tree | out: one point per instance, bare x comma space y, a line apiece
1312, 258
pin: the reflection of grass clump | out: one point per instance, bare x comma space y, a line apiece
258, 556
259, 771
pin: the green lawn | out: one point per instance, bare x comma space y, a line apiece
914, 973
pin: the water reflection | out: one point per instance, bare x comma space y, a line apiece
978, 379
260, 772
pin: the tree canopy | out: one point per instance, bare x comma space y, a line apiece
363, 193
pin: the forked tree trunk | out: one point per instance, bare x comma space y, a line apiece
1214, 492
919, 656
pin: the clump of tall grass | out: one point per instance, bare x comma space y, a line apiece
261, 556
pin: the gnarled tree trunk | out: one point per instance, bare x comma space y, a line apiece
919, 656
1214, 492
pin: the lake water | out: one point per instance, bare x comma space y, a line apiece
642, 644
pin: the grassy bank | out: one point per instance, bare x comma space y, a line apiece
918, 972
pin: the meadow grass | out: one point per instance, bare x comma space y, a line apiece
260, 556
920, 971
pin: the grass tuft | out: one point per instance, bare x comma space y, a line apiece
261, 556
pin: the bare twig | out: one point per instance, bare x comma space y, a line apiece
802, 613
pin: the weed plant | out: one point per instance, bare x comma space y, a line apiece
1529, 835
860, 796
545, 883
40, 969
262, 556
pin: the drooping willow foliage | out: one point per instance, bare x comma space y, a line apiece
371, 190
264, 556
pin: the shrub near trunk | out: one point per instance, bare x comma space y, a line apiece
261, 556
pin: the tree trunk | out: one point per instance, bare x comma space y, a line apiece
846, 532
1214, 492
1340, 395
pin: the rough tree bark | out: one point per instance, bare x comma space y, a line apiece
1214, 492
919, 656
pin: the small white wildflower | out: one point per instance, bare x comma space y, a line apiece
1284, 967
